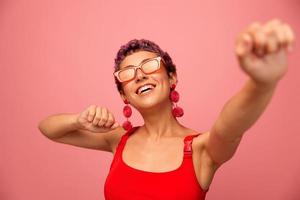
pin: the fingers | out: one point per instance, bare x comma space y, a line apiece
244, 44
280, 35
104, 117
91, 112
85, 114
100, 116
272, 30
289, 36
115, 125
110, 120
260, 39
107, 119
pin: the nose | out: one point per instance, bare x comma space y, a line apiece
140, 75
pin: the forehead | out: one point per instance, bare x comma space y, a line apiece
136, 58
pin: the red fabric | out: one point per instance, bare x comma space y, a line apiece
124, 182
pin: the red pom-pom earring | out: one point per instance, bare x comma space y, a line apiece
174, 97
127, 113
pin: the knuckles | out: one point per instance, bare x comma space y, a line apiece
100, 114
268, 37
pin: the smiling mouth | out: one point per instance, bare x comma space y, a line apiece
146, 90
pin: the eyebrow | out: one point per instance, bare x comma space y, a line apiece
140, 62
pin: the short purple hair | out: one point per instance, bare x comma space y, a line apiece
135, 45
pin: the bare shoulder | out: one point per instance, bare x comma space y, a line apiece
205, 167
200, 145
200, 140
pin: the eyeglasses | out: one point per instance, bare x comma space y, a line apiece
147, 66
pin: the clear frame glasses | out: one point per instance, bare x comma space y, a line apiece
147, 66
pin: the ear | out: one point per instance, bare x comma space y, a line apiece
173, 78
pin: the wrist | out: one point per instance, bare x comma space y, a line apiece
263, 87
74, 121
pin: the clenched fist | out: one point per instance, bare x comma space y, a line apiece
96, 119
262, 50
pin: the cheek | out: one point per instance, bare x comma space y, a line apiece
163, 81
127, 88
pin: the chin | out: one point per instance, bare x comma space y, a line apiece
151, 103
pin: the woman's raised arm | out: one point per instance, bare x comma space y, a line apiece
94, 128
262, 54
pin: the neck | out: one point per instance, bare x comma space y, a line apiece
159, 122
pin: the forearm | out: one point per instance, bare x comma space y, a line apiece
243, 109
57, 125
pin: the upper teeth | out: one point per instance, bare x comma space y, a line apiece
144, 87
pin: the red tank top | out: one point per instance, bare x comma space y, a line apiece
124, 182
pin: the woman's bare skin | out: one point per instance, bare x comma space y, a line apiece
157, 145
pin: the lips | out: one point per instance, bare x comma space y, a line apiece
143, 87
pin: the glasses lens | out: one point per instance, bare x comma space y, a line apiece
126, 74
150, 66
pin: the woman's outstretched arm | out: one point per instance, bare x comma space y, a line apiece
237, 115
261, 51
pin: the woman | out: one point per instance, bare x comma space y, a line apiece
163, 159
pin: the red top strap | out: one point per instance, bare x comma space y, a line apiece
188, 140
125, 137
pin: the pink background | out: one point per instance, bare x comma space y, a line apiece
57, 56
